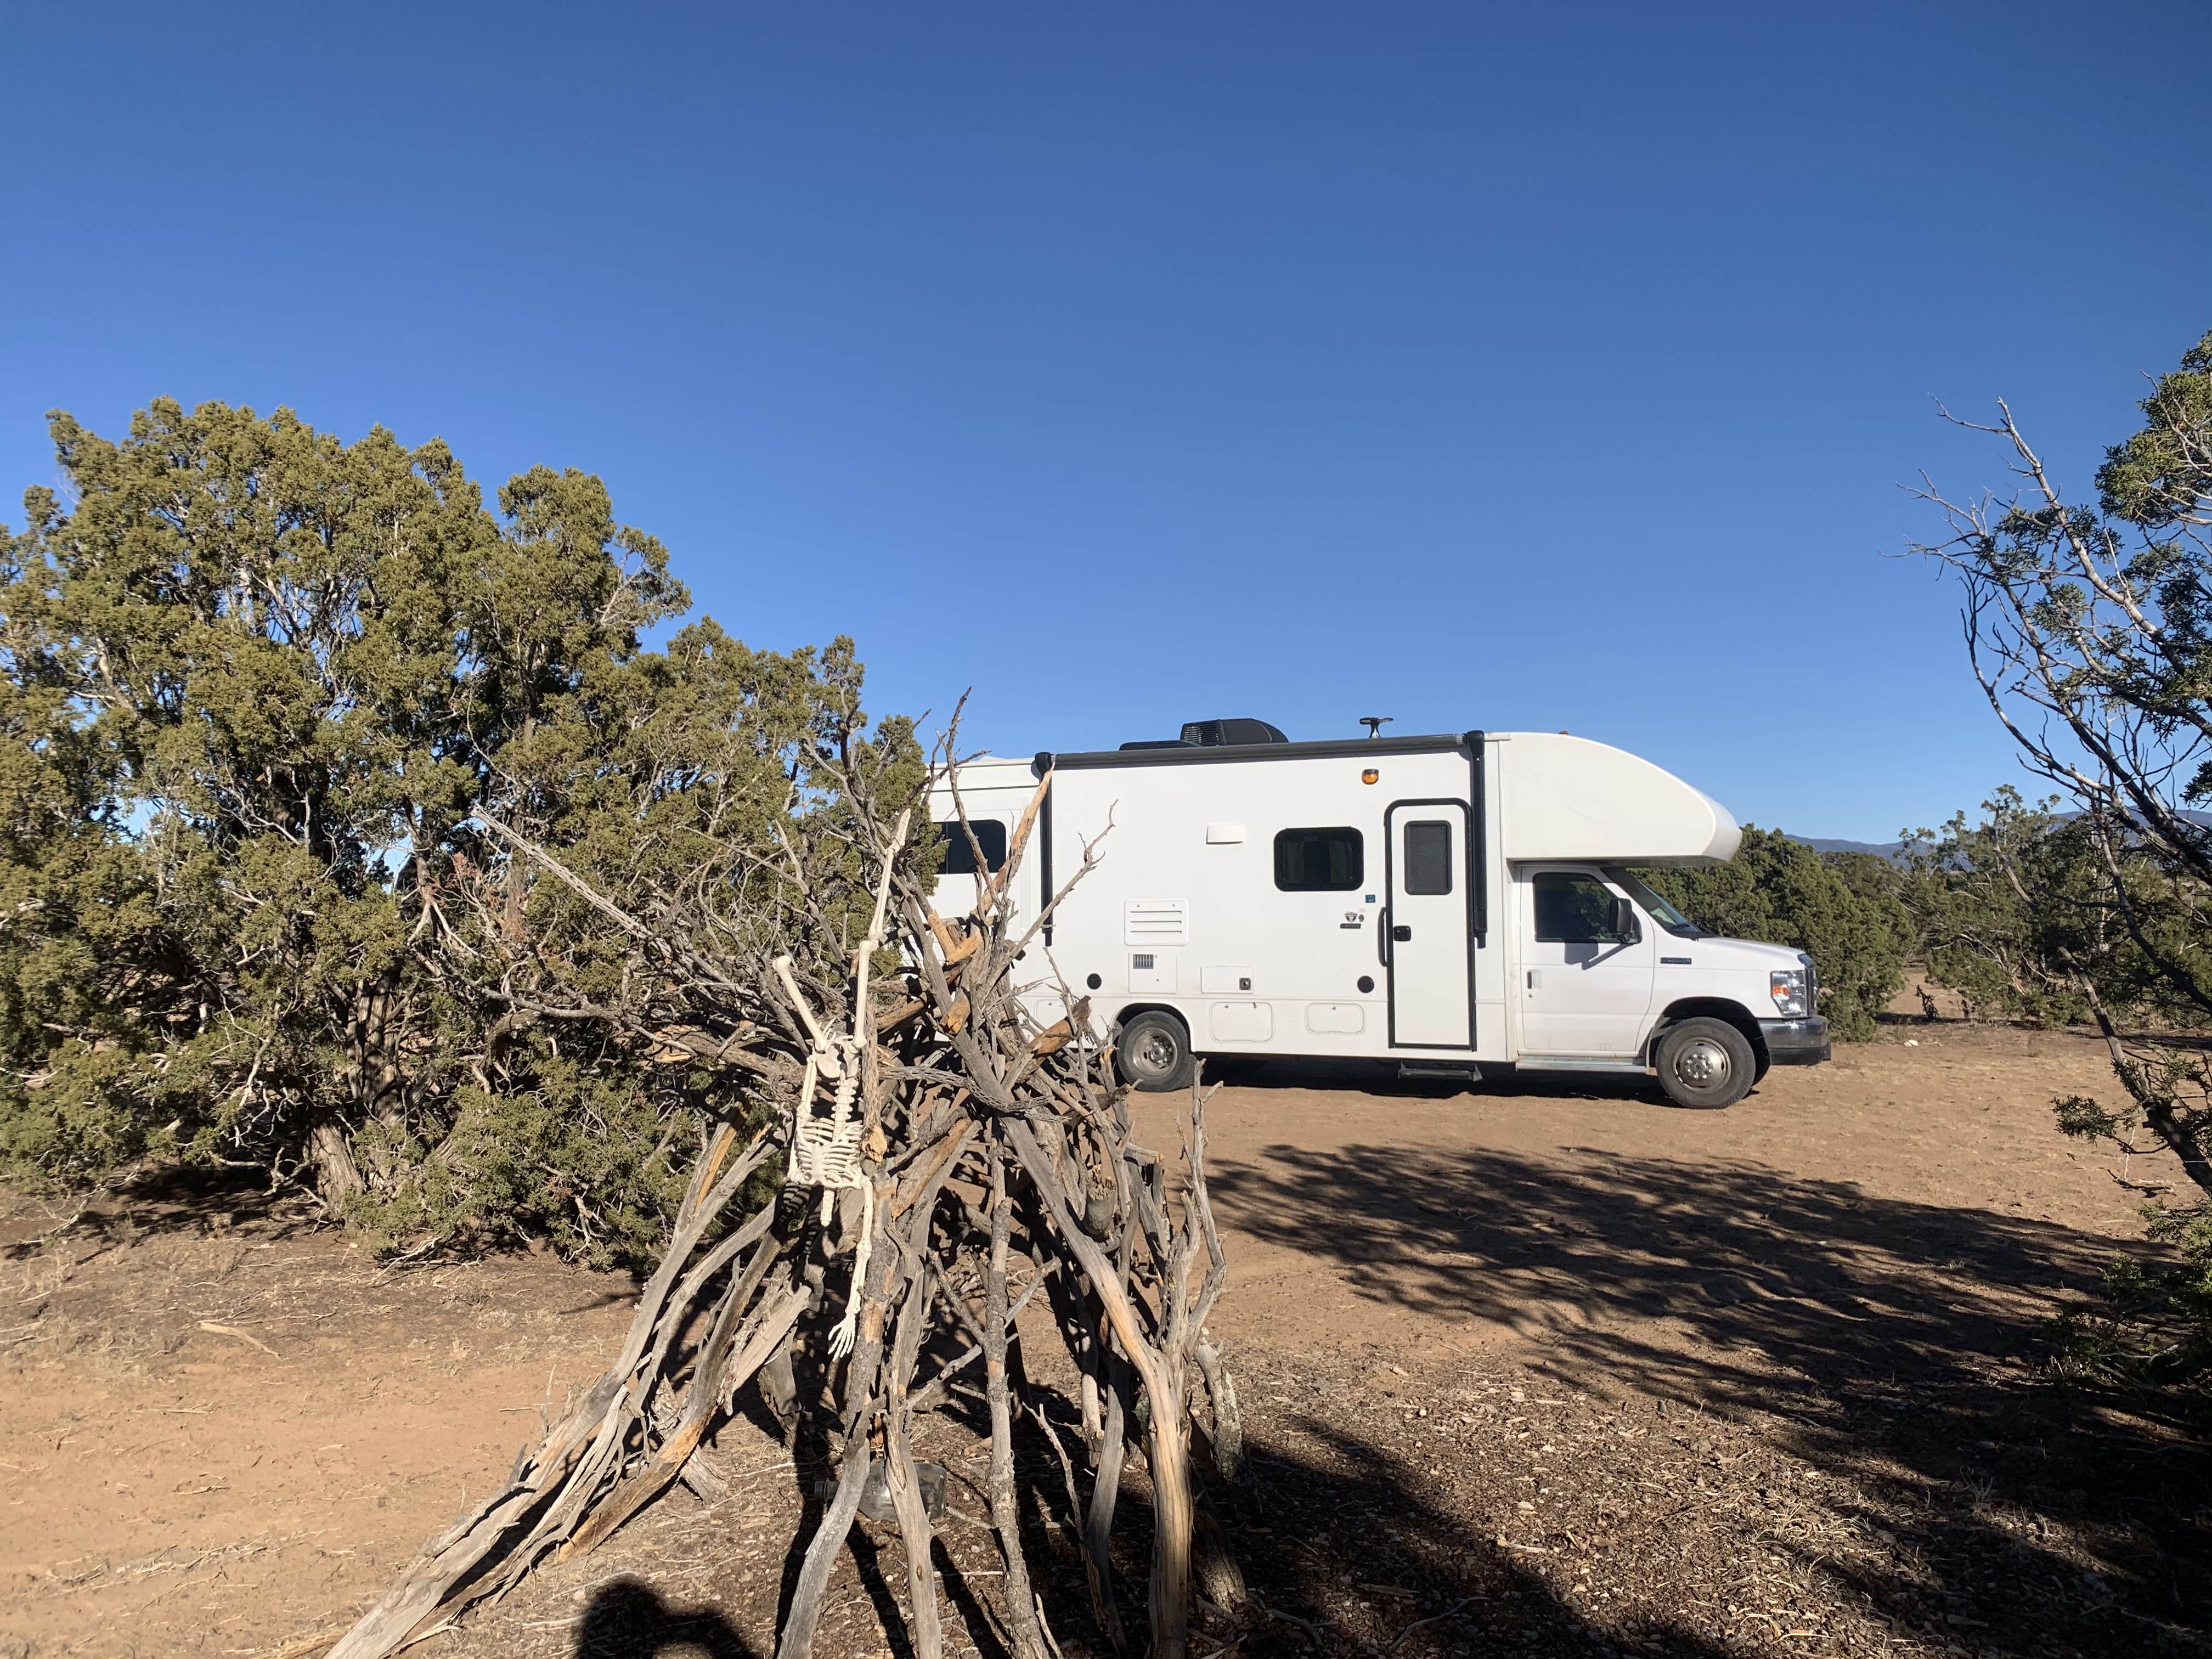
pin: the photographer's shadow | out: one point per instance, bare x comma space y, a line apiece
628, 1619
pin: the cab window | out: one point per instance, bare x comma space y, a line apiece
1573, 909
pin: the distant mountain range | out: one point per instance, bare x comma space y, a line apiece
1890, 849
1887, 849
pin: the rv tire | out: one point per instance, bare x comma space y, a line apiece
1705, 1064
1153, 1054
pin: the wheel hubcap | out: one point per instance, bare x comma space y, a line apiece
1702, 1064
1154, 1052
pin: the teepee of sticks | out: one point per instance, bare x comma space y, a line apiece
943, 1161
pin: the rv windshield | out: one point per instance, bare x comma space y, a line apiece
1661, 911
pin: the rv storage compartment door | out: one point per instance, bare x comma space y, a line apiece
1428, 938
1242, 1021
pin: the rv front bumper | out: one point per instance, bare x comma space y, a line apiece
1795, 1042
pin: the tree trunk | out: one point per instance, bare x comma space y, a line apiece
337, 1177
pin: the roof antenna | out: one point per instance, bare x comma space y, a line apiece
1375, 723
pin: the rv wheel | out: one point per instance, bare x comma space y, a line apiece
1153, 1053
1705, 1064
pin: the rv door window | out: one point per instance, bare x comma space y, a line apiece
1428, 857
1574, 910
960, 857
1319, 861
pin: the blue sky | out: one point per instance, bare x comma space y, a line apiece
1136, 366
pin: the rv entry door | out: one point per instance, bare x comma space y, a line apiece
1427, 938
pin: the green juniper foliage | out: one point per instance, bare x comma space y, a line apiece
2020, 916
1981, 898
265, 695
1842, 909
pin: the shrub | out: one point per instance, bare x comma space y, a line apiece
1843, 910
266, 701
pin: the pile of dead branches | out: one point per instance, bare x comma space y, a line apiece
934, 1156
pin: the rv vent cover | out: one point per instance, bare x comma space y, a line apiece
1208, 733
1156, 921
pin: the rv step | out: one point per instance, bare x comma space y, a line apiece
1459, 1071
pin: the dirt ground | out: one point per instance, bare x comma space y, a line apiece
1526, 1369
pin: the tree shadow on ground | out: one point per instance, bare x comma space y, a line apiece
1952, 1500
1352, 1552
168, 1199
1783, 1285
1353, 1544
1363, 1554
1896, 1341
176, 1200
627, 1619
1369, 1076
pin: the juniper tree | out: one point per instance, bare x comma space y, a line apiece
2089, 629
262, 690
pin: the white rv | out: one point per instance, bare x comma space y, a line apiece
1459, 905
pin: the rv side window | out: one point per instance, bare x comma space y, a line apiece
1319, 861
1428, 857
1574, 910
960, 857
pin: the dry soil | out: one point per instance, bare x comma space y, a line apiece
1525, 1370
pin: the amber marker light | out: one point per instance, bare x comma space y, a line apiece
1371, 776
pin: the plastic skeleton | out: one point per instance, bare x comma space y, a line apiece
825, 1151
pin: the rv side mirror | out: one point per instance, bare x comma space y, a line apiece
1625, 928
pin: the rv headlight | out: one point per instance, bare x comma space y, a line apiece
1787, 987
